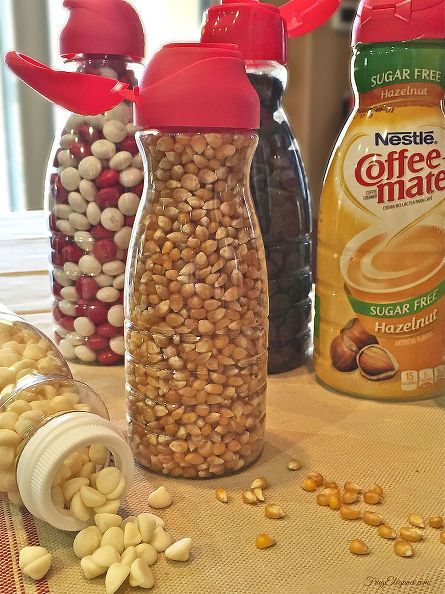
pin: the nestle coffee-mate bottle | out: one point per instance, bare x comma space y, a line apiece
380, 320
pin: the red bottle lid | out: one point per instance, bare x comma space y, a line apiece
106, 27
260, 30
378, 21
198, 86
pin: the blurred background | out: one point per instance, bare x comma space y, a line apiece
318, 97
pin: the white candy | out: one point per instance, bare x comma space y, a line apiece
122, 238
132, 536
75, 339
98, 453
84, 240
161, 540
62, 211
67, 308
116, 576
84, 327
91, 569
79, 221
160, 498
90, 167
121, 160
87, 541
117, 345
108, 479
147, 553
66, 159
138, 162
104, 280
74, 121
129, 556
141, 575
85, 354
108, 295
131, 177
159, 521
91, 497
35, 562
72, 270
90, 265
122, 112
112, 219
70, 294
108, 72
147, 526
115, 316
66, 348
65, 227
103, 149
93, 213
115, 131
62, 278
105, 556
97, 121
88, 190
114, 268
119, 282
179, 551
105, 521
77, 202
66, 140
114, 536
70, 179
129, 203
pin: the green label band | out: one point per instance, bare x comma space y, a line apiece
398, 309
383, 65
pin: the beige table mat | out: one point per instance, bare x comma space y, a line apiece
401, 446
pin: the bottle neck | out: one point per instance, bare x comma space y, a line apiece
122, 68
399, 73
269, 80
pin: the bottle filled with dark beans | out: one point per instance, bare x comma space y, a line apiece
281, 195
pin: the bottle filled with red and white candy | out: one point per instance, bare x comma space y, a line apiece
95, 182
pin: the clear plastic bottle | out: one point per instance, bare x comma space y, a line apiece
48, 422
278, 182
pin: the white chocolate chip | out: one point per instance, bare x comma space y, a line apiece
128, 556
161, 540
35, 562
106, 556
141, 576
108, 479
110, 507
147, 553
160, 498
116, 576
72, 486
91, 569
132, 536
146, 525
179, 551
114, 536
92, 497
105, 521
78, 509
87, 541
98, 453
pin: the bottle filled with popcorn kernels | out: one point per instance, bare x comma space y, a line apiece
196, 307
55, 434
94, 180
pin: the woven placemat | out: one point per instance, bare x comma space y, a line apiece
400, 446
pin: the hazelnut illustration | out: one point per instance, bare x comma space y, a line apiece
376, 363
346, 346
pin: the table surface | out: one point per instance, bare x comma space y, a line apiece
400, 446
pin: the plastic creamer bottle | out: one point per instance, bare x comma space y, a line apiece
381, 245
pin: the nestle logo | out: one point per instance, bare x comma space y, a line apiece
405, 138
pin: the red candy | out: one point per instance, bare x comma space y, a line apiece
79, 150
86, 287
60, 193
53, 222
56, 288
81, 308
108, 177
105, 250
129, 221
57, 314
97, 312
107, 197
58, 242
108, 357
107, 330
67, 323
57, 259
88, 133
129, 144
96, 342
138, 189
72, 253
99, 232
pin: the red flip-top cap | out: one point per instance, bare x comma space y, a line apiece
378, 21
261, 30
196, 85
104, 27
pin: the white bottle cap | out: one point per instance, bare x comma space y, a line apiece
49, 447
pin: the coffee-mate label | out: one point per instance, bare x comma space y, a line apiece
380, 323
